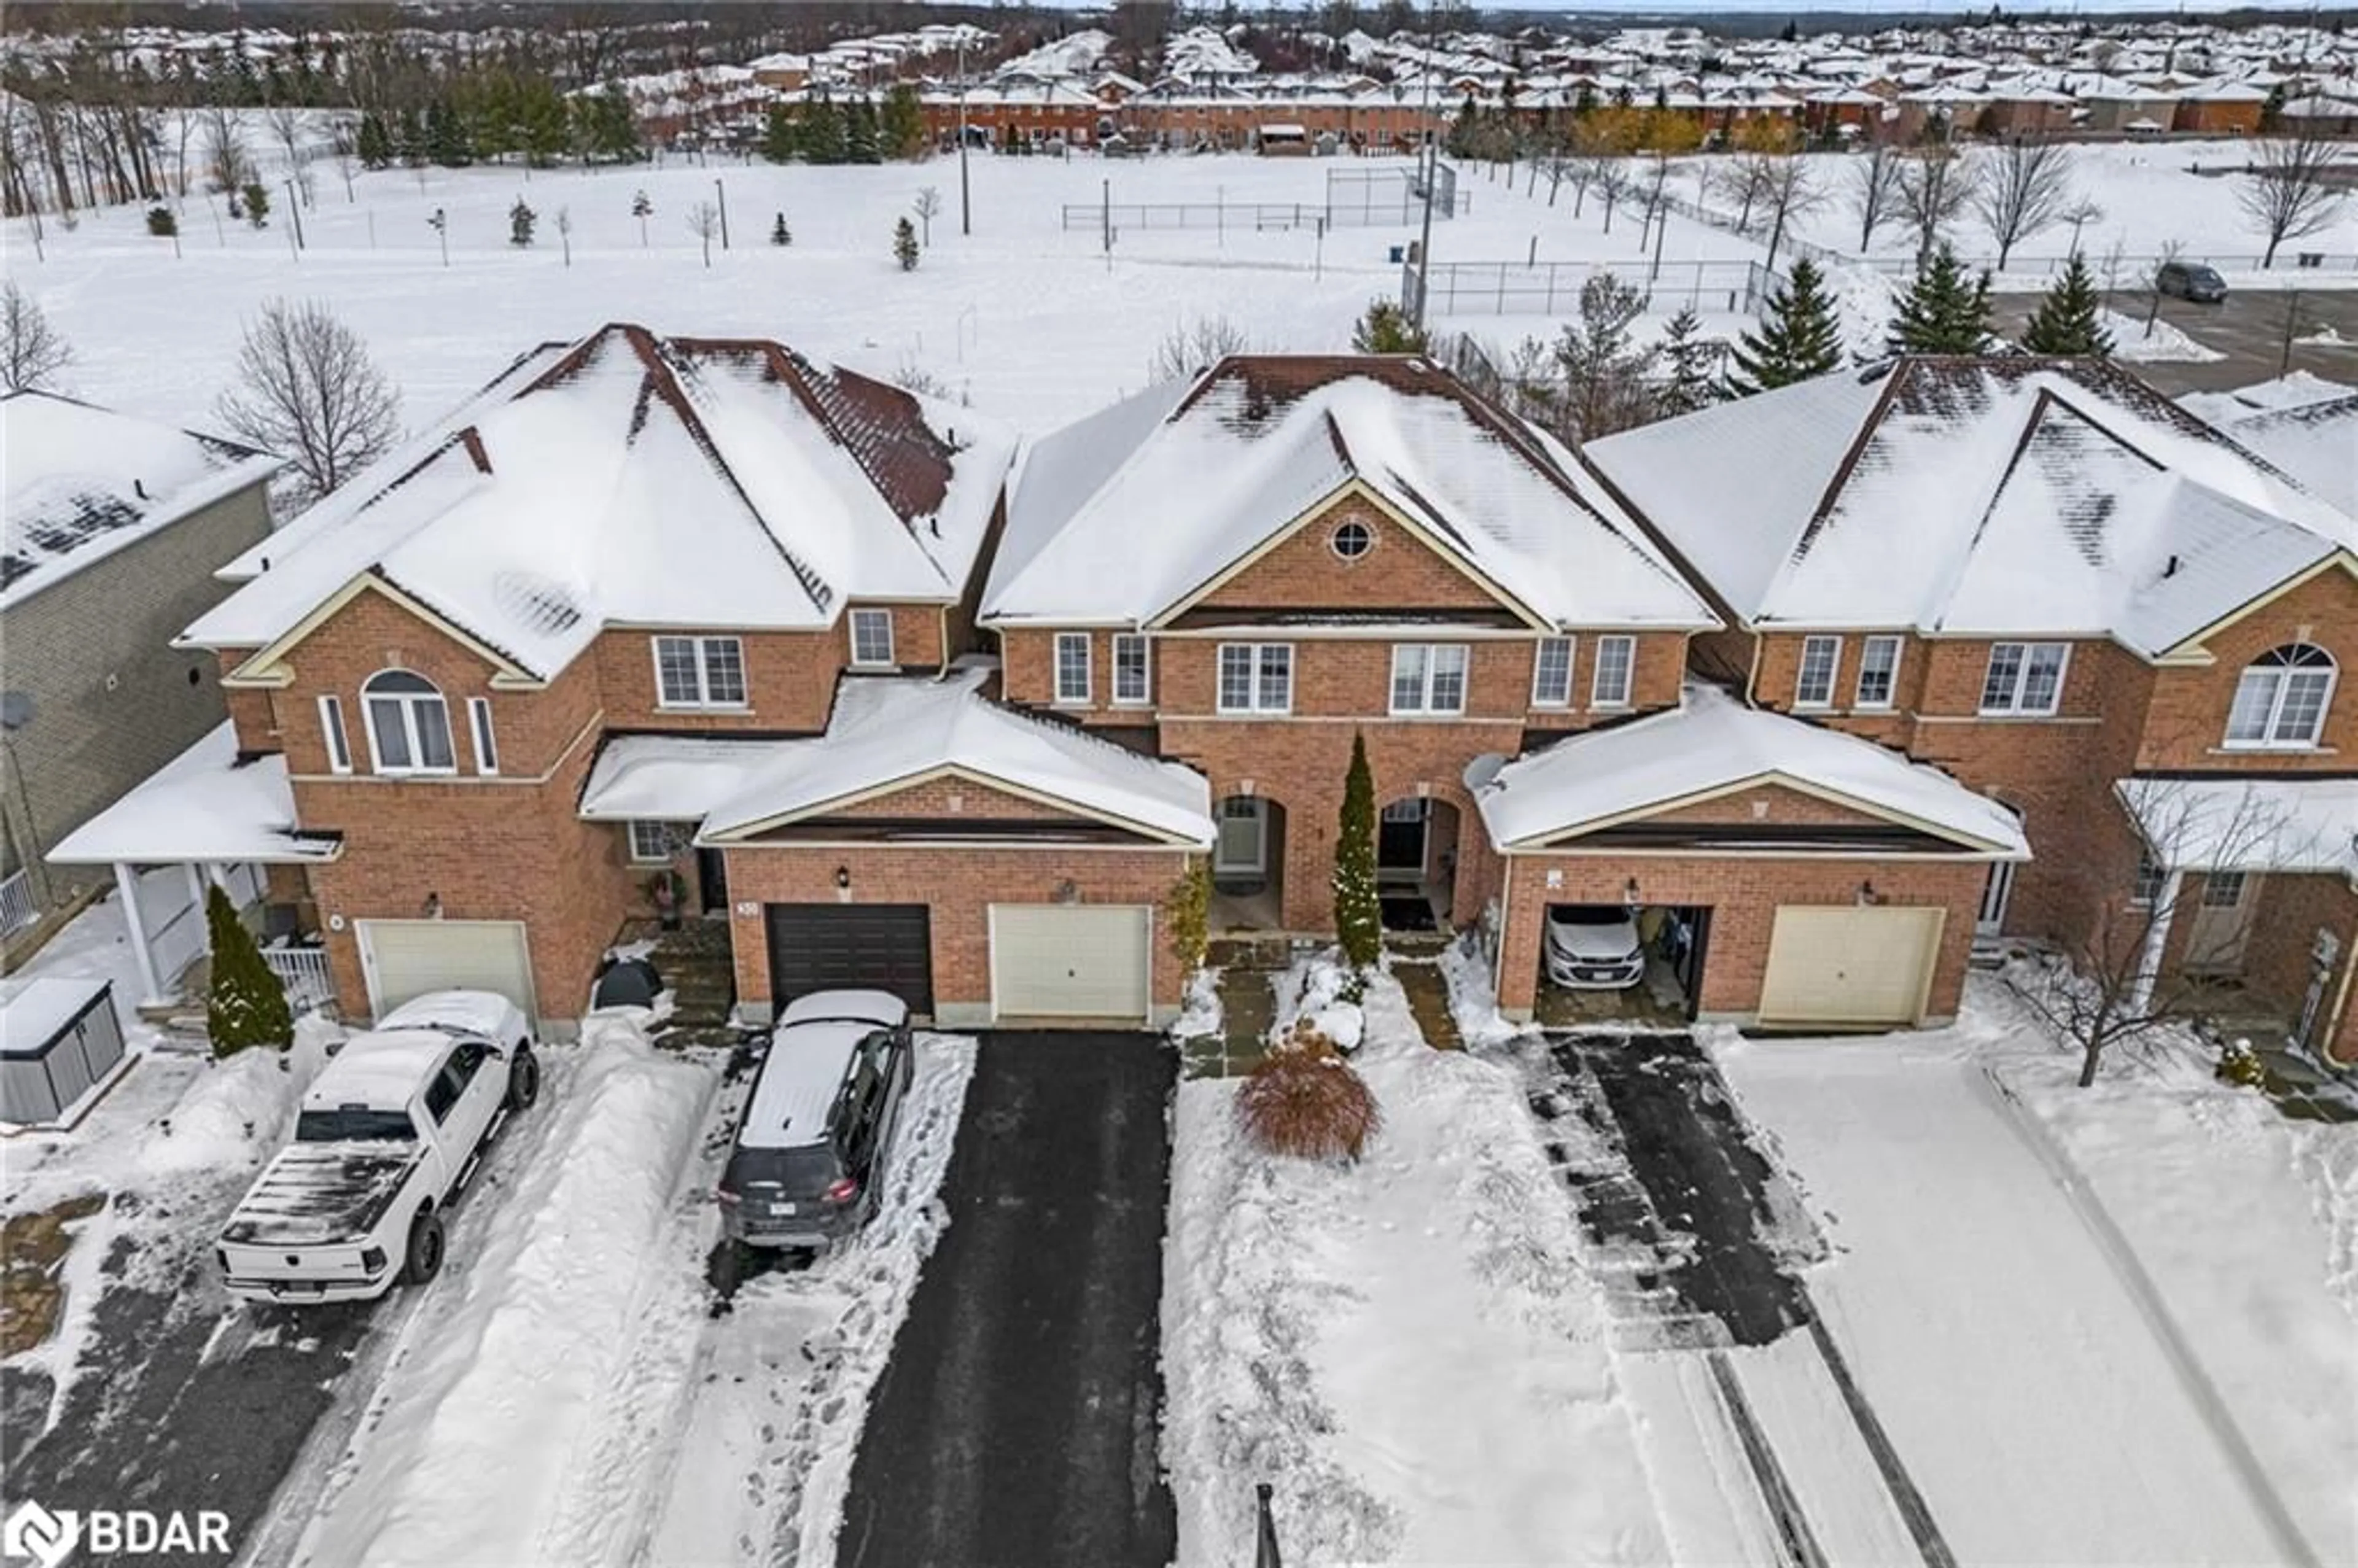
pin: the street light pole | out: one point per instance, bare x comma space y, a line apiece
1432, 169
720, 191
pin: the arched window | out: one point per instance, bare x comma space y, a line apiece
409, 724
2282, 698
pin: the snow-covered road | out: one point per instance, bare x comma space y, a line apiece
2014, 1369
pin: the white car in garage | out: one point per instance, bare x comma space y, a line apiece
1594, 947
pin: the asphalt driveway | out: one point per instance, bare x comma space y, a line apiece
1017, 1422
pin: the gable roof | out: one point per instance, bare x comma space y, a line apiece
1122, 517
633, 480
1712, 745
1973, 497
890, 731
2309, 431
84, 482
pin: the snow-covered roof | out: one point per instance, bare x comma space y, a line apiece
1713, 744
2246, 824
1128, 514
2304, 425
205, 804
632, 479
2293, 391
84, 483
33, 1008
678, 778
892, 731
1974, 498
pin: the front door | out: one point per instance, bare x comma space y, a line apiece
1242, 850
1399, 841
2222, 921
712, 882
1991, 919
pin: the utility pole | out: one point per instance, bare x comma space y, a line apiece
295, 214
966, 200
722, 191
1432, 160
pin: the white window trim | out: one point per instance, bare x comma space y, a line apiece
1426, 708
1145, 647
870, 616
703, 683
408, 702
481, 736
1857, 693
2315, 741
630, 837
339, 743
1571, 662
1064, 698
1596, 697
2022, 681
1801, 674
1219, 686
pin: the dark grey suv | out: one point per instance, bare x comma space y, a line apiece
808, 1165
2191, 280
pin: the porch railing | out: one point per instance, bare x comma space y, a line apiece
304, 972
18, 908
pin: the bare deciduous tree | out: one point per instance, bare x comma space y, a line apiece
1194, 346
2024, 186
2291, 187
1615, 178
1873, 188
703, 222
307, 391
1935, 185
228, 166
1788, 189
928, 202
32, 351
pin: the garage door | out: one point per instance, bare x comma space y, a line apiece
404, 958
1053, 960
1849, 967
826, 946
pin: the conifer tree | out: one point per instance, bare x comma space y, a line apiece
904, 244
859, 142
780, 141
520, 219
779, 233
902, 129
1386, 328
375, 142
1943, 313
1690, 355
1799, 340
248, 1004
822, 133
2068, 321
1358, 911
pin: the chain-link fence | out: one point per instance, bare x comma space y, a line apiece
1552, 288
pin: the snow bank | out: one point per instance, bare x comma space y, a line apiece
2133, 344
1409, 1350
469, 1452
1200, 1012
238, 1112
1473, 1000
1312, 993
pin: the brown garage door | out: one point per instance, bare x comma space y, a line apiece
827, 946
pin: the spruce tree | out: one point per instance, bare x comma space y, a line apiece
1690, 356
1358, 912
1799, 340
904, 244
248, 1004
860, 145
375, 142
520, 219
903, 127
1942, 312
779, 140
1386, 328
779, 233
2068, 321
822, 133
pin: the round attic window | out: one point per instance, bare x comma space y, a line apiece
1352, 539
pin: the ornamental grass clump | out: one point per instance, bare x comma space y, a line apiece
1306, 1101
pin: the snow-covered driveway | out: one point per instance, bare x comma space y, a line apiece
2016, 1372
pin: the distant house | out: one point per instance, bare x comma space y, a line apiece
112, 530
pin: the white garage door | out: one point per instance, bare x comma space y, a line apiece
1053, 960
1850, 967
405, 959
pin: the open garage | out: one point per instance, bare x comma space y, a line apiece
1612, 964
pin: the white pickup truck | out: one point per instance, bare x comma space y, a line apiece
389, 1130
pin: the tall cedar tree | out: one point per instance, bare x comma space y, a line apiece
1386, 328
904, 244
1358, 914
1690, 356
2068, 321
1943, 311
1800, 339
248, 1005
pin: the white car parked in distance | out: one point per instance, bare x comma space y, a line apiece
387, 1132
1594, 947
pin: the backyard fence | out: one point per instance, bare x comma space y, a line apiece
1356, 199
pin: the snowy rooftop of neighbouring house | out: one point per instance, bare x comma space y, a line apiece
633, 479
205, 804
2303, 423
380, 1069
890, 730
1126, 514
33, 1008
84, 483
800, 1079
2247, 825
1973, 497
2293, 391
1713, 744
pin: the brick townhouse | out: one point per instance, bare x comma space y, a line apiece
796, 636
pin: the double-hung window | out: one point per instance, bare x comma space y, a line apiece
872, 638
1814, 686
1133, 681
1552, 673
699, 671
1072, 666
1617, 658
1256, 677
1429, 678
1879, 672
409, 724
2025, 678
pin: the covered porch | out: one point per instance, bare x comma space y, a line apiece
208, 818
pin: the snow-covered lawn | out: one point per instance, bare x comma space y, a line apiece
2019, 1371
1410, 1350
